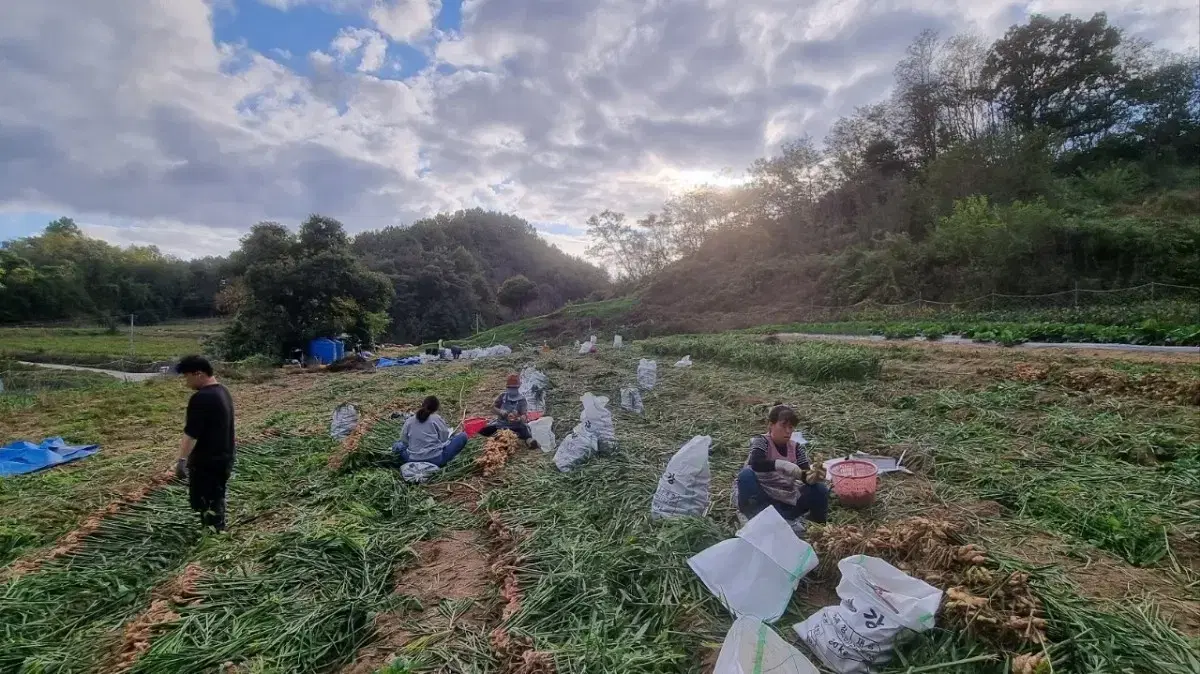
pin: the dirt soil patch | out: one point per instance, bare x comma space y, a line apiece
449, 568
1102, 577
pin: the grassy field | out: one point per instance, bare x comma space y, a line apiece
1162, 322
1082, 473
103, 348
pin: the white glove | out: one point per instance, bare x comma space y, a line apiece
788, 468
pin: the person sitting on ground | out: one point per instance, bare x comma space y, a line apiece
512, 413
778, 473
426, 438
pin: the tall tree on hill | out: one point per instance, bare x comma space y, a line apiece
516, 293
1061, 74
300, 287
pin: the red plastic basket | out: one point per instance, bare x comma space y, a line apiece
473, 425
855, 482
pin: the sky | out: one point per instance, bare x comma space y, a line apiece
181, 123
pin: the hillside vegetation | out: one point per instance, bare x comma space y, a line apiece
1064, 155
441, 277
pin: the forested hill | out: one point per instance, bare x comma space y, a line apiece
452, 270
1063, 153
438, 278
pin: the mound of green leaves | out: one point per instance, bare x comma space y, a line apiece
804, 360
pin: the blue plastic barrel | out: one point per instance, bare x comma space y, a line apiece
341, 349
323, 350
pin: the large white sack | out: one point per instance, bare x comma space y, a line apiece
596, 420
574, 450
683, 488
418, 471
880, 606
543, 433
647, 373
585, 348
533, 386
686, 361
617, 342
345, 419
756, 573
752, 647
631, 400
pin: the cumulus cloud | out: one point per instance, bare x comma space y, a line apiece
368, 46
553, 110
405, 20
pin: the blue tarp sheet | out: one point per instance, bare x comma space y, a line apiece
392, 362
26, 457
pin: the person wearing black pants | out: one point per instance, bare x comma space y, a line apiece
206, 452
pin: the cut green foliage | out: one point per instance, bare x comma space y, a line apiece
813, 361
1161, 323
313, 556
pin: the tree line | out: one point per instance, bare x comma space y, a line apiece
63, 274
441, 277
1063, 151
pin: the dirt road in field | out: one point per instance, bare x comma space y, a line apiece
1137, 351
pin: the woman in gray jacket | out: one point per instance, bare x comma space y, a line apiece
426, 438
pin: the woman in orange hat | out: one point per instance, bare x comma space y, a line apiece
512, 412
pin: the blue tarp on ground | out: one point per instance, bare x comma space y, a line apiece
26, 457
392, 362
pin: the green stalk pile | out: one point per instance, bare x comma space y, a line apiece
56, 619
814, 361
62, 616
303, 600
1066, 471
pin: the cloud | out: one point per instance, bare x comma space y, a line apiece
368, 46
172, 238
405, 20
553, 110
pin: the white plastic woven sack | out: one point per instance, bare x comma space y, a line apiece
880, 606
631, 400
585, 348
593, 339
683, 488
418, 471
345, 418
543, 433
574, 450
647, 374
752, 647
533, 386
686, 361
756, 573
596, 420
617, 342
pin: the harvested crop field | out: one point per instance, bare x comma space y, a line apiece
1076, 481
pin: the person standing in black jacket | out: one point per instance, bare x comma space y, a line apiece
206, 452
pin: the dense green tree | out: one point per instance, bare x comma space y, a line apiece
1061, 74
301, 287
516, 293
